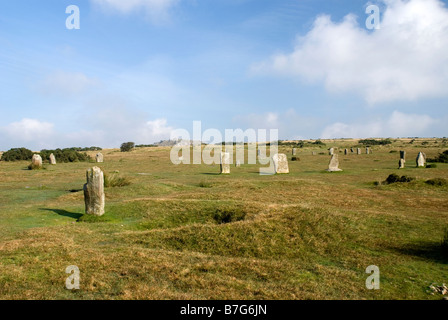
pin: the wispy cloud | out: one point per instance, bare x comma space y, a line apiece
397, 125
407, 59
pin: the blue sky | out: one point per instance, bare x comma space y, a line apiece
138, 69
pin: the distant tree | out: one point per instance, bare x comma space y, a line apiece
127, 146
17, 154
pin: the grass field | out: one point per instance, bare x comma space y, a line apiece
306, 235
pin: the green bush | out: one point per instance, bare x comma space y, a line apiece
35, 167
441, 158
65, 155
431, 166
373, 142
127, 146
394, 178
115, 180
295, 159
17, 154
228, 215
438, 182
203, 184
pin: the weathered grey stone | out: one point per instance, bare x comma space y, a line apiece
280, 163
401, 164
294, 151
421, 160
359, 150
367, 150
36, 161
225, 163
94, 197
238, 163
52, 159
403, 155
346, 151
313, 153
99, 157
333, 166
331, 151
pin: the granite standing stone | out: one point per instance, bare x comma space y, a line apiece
401, 164
346, 151
36, 161
94, 197
331, 151
421, 161
99, 157
52, 159
359, 150
238, 163
403, 155
367, 150
333, 166
294, 151
225, 163
280, 163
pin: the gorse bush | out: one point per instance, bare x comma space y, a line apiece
127, 146
438, 182
373, 142
394, 178
17, 154
431, 166
65, 155
441, 158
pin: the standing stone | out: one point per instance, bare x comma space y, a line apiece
280, 163
94, 197
313, 153
99, 157
52, 159
359, 151
403, 155
352, 150
238, 163
401, 164
259, 152
333, 166
367, 150
36, 161
346, 151
421, 161
225, 163
331, 151
294, 151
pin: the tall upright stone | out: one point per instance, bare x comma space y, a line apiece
331, 151
367, 150
421, 161
401, 164
333, 166
36, 161
352, 150
294, 151
225, 163
94, 197
99, 157
359, 150
403, 155
346, 151
280, 163
313, 153
52, 159
238, 163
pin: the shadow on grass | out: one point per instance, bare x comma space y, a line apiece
211, 173
65, 213
429, 251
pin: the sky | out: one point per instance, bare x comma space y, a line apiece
136, 70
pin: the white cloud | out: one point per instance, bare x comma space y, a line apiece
397, 125
28, 131
407, 59
66, 83
157, 10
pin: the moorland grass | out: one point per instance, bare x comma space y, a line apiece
186, 232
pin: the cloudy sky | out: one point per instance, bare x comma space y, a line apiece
138, 69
